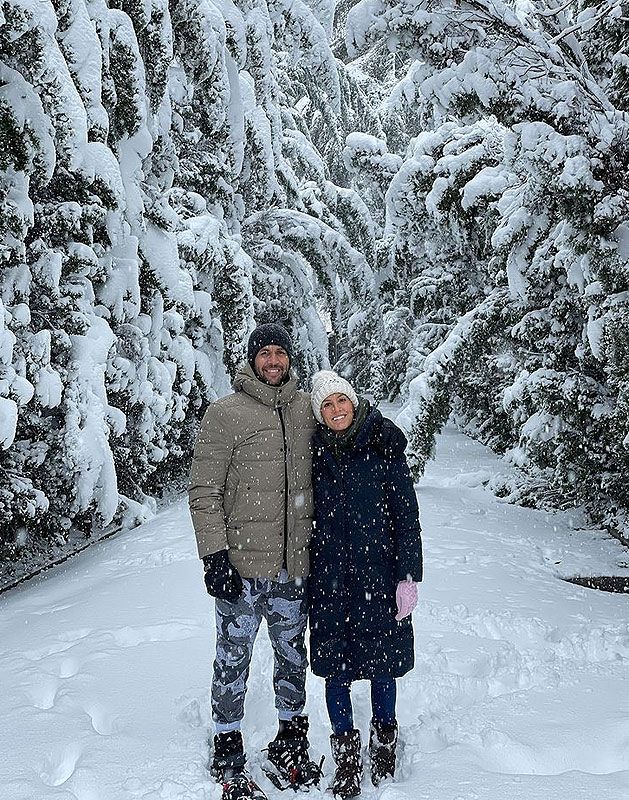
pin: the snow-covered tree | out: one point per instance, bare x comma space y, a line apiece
161, 192
510, 192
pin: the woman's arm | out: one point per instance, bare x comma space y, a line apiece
403, 507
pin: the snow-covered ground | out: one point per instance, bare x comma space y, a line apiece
520, 691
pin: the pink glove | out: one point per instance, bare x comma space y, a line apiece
406, 599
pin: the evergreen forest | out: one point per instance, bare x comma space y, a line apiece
432, 195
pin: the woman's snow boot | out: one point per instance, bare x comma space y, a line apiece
382, 745
349, 764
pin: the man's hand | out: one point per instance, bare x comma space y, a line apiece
222, 580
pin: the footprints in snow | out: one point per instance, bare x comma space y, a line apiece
103, 722
60, 765
43, 694
469, 658
163, 632
56, 679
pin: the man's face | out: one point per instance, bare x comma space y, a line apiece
272, 364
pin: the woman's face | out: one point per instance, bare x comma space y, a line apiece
337, 412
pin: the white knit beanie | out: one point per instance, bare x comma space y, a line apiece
325, 383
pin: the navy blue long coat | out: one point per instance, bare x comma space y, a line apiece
366, 539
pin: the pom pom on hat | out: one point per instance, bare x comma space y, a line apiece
325, 383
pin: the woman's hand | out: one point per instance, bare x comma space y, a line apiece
406, 599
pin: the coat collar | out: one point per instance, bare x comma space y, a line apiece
274, 396
368, 430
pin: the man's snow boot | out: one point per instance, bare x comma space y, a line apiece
288, 753
228, 767
242, 787
349, 764
229, 755
382, 745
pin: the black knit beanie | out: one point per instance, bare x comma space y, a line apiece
264, 335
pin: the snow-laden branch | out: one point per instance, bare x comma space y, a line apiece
553, 12
580, 26
428, 406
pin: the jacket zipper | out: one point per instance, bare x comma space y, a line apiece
285, 547
346, 541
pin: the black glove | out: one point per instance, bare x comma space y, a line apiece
222, 580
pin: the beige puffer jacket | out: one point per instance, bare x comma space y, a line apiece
250, 484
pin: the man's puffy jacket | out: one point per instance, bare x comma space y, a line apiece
250, 483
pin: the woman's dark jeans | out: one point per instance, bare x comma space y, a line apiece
339, 703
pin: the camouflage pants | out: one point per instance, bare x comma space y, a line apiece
284, 607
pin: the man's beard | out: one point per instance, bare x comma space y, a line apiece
284, 379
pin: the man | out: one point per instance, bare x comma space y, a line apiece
251, 505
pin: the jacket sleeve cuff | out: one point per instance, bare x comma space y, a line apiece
409, 567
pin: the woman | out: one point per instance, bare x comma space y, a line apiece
365, 561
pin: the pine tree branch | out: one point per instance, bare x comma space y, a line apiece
591, 23
553, 12
430, 393
551, 53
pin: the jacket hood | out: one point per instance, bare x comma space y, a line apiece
275, 396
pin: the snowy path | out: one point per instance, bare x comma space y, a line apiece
521, 688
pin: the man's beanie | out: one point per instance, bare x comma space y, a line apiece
263, 336
324, 384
